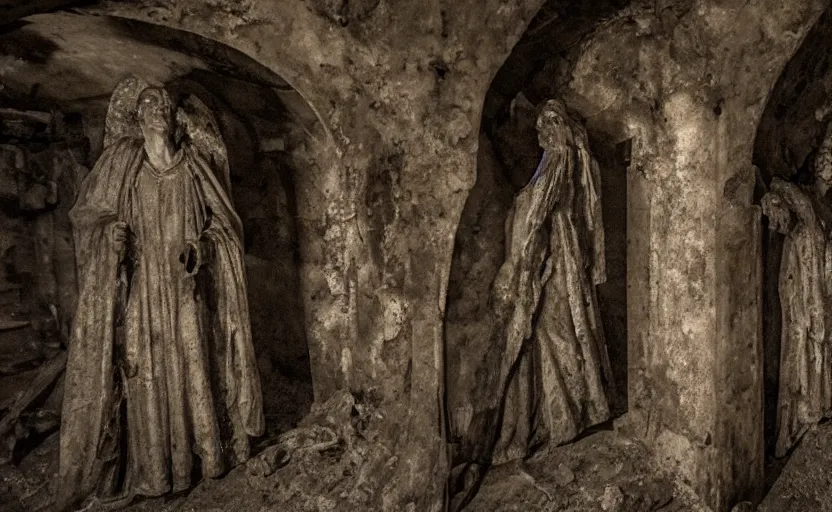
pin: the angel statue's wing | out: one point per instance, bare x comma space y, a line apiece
202, 130
122, 120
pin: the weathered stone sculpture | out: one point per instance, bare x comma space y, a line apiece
556, 359
804, 215
161, 377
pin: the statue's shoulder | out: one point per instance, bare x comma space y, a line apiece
117, 157
192, 153
130, 144
189, 149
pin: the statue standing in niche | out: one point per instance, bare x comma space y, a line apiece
803, 214
556, 369
161, 378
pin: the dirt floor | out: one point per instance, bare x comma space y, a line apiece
26, 485
805, 483
601, 472
334, 460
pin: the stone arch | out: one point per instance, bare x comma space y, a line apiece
322, 185
276, 141
306, 55
538, 69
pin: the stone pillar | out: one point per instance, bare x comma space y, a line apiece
694, 251
638, 292
680, 347
695, 296
739, 343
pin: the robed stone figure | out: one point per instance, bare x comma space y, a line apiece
804, 215
161, 381
556, 370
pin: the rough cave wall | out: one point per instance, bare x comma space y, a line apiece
271, 262
43, 165
795, 119
612, 295
42, 157
479, 251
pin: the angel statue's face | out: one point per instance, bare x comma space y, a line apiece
154, 109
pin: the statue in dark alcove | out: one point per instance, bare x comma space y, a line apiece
161, 379
556, 367
804, 215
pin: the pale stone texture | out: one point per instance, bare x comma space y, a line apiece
673, 86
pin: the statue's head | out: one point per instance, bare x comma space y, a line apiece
554, 128
822, 168
823, 174
154, 109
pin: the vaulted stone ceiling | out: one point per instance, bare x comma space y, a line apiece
65, 57
68, 59
12, 10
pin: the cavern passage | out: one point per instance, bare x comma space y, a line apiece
415, 256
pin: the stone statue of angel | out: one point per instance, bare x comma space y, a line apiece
556, 370
804, 215
161, 382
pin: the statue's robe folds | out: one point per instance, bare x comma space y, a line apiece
165, 354
556, 369
805, 282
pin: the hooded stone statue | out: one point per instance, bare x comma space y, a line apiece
161, 376
803, 214
556, 369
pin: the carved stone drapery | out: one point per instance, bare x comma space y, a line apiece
804, 216
556, 358
161, 368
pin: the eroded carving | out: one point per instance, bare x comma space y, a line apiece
556, 359
161, 377
803, 214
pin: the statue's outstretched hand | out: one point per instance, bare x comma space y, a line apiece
191, 257
195, 254
118, 238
